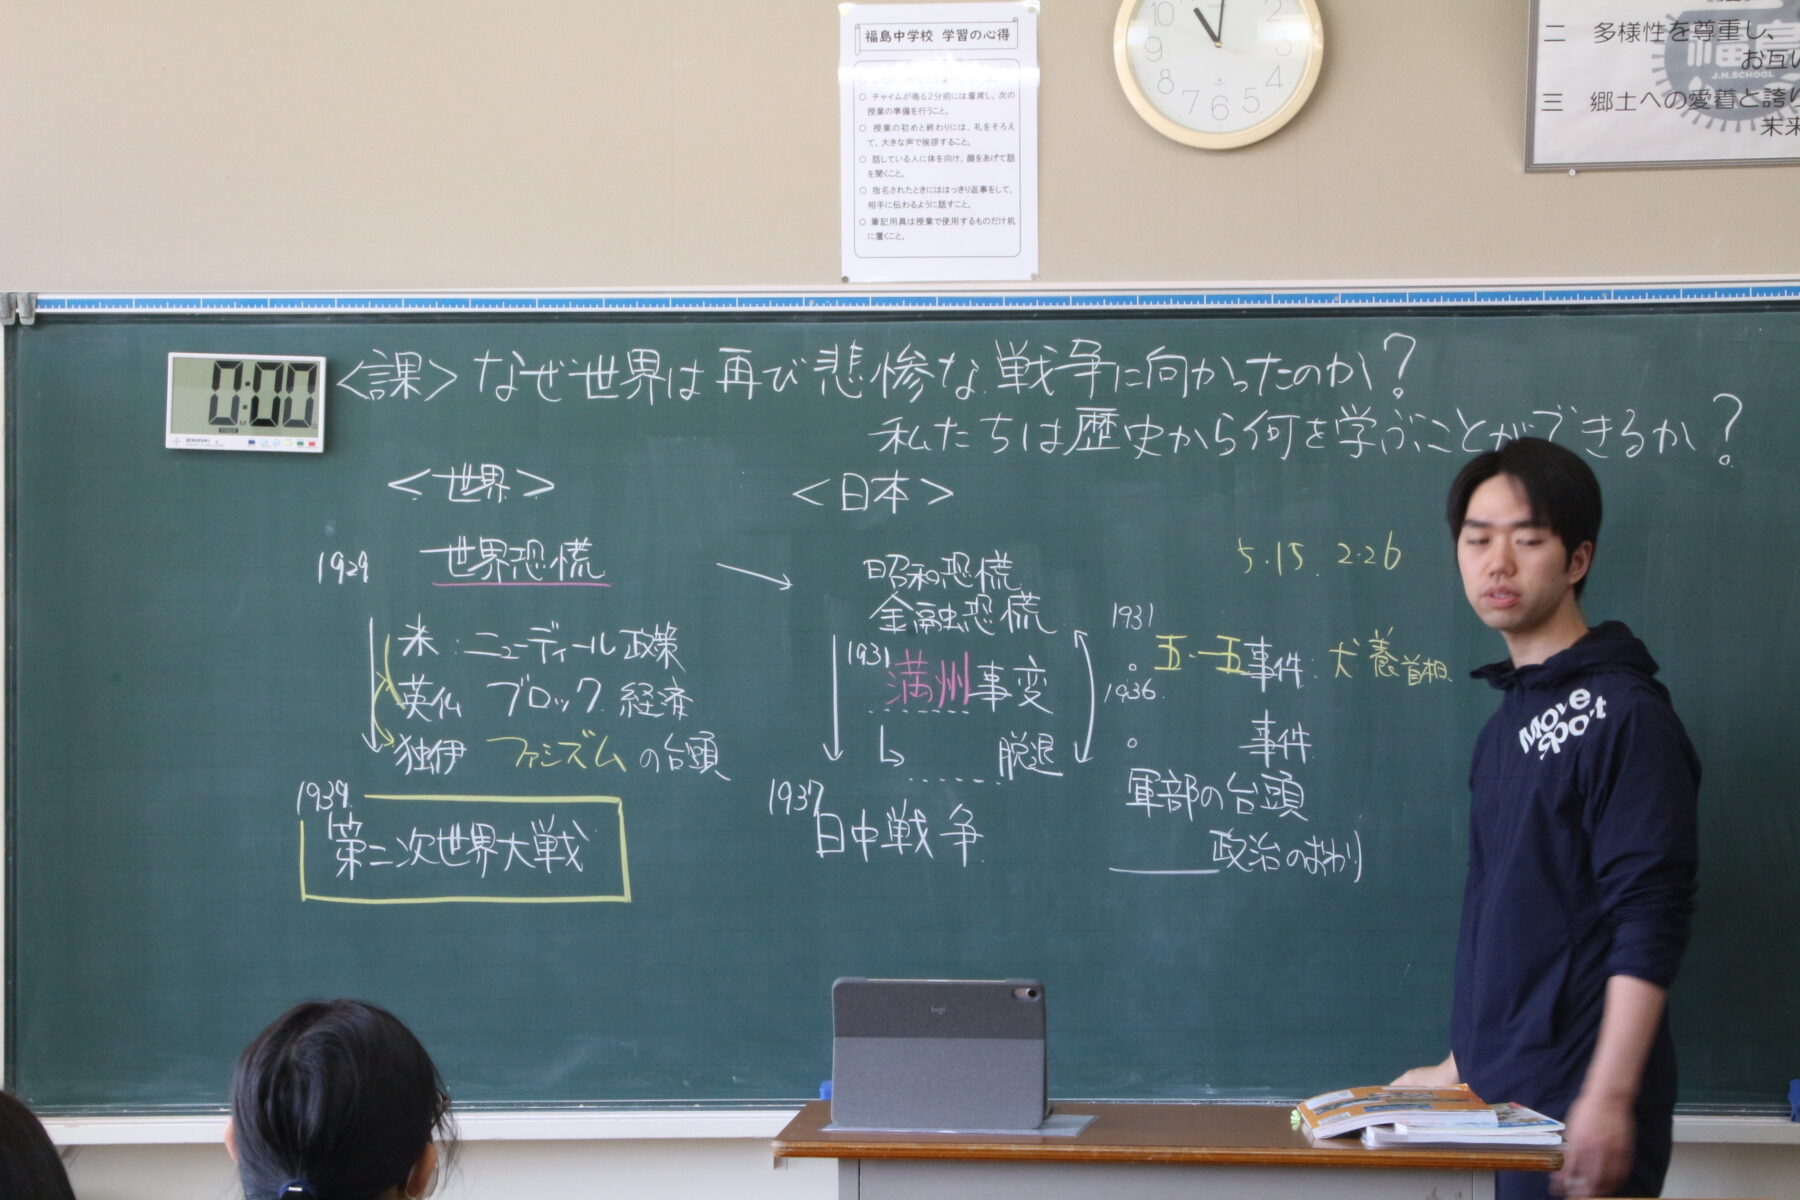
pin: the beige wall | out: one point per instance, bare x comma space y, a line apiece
428, 144
639, 144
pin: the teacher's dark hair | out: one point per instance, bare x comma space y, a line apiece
30, 1168
336, 1100
1561, 488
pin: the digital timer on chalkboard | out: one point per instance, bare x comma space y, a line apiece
270, 402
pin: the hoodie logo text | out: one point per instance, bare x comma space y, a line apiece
1561, 721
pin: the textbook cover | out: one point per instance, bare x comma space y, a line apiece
1515, 1125
1351, 1109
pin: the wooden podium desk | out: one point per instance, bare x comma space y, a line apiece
1148, 1152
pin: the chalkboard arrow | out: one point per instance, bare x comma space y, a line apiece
381, 679
784, 582
1084, 752
947, 493
834, 751
801, 494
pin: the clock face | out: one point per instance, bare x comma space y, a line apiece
1218, 73
272, 402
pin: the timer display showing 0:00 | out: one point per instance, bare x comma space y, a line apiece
280, 400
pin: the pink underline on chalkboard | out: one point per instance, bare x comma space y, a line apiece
527, 584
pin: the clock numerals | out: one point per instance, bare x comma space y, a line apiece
268, 420
213, 416
273, 398
296, 372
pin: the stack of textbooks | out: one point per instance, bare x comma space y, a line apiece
1391, 1116
1514, 1125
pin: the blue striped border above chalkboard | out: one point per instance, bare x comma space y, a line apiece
1311, 297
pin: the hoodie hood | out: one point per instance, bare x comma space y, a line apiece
1607, 647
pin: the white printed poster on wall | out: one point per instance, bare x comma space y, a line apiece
1636, 83
938, 128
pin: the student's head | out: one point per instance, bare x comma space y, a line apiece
1559, 490
29, 1166
337, 1100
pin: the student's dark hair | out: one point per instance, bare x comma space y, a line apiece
30, 1168
1560, 487
336, 1100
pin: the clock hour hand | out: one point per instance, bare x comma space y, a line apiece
1207, 25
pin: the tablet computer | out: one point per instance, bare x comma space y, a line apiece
949, 1055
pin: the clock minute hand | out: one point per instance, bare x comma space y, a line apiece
1207, 25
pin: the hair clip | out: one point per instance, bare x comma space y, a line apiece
296, 1187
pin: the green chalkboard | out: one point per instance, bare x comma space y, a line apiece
606, 687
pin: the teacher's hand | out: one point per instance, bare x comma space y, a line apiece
1596, 1148
1437, 1075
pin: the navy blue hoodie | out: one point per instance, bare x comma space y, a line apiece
1582, 862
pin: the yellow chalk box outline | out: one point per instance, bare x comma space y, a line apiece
622, 897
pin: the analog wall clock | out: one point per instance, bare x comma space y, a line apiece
1218, 74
